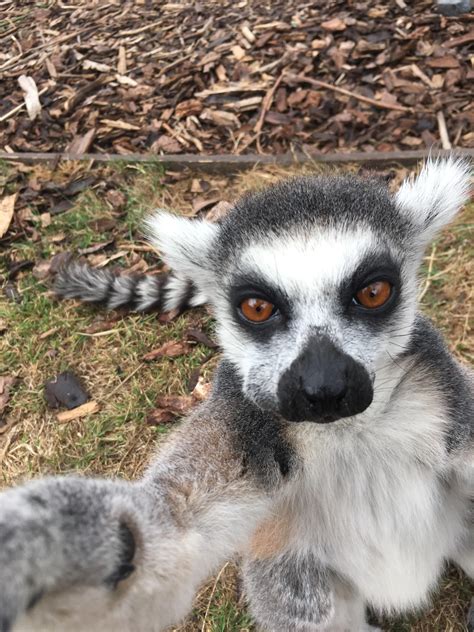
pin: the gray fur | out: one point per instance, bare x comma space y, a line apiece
329, 517
290, 592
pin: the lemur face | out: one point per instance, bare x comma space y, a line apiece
308, 315
314, 283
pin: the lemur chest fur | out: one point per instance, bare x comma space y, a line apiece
374, 505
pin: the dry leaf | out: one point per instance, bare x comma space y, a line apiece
202, 390
218, 211
169, 407
6, 384
88, 64
81, 411
198, 335
171, 349
31, 96
45, 219
7, 206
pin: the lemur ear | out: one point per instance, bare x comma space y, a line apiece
183, 243
432, 199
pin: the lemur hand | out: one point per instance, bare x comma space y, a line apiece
58, 533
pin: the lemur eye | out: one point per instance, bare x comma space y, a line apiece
374, 295
257, 310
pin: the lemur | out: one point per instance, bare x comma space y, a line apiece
335, 453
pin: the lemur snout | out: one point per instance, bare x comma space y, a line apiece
323, 385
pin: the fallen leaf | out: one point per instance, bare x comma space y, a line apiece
45, 219
79, 185
177, 404
197, 335
169, 407
61, 207
218, 211
199, 203
202, 390
171, 349
96, 247
166, 144
116, 198
86, 409
7, 206
88, 64
7, 382
65, 390
31, 96
159, 416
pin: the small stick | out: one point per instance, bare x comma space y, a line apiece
86, 409
427, 284
443, 130
360, 97
19, 107
266, 104
203, 628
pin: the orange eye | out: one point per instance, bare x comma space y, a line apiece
257, 310
374, 295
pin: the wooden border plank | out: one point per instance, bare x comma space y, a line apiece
225, 163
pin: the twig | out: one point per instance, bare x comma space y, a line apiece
19, 107
141, 29
8, 442
266, 104
129, 377
443, 130
427, 284
57, 40
203, 627
348, 93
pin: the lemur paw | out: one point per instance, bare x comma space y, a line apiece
55, 534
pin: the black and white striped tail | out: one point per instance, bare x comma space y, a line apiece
136, 292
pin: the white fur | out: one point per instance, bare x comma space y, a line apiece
372, 504
432, 199
183, 244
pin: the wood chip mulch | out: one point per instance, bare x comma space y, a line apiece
233, 76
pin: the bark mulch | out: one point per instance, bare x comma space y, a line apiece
233, 76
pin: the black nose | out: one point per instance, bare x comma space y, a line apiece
324, 384
318, 391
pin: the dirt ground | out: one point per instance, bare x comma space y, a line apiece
98, 213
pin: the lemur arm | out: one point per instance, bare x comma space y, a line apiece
108, 555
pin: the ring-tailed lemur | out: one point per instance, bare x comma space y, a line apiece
335, 452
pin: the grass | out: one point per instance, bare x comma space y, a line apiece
44, 337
